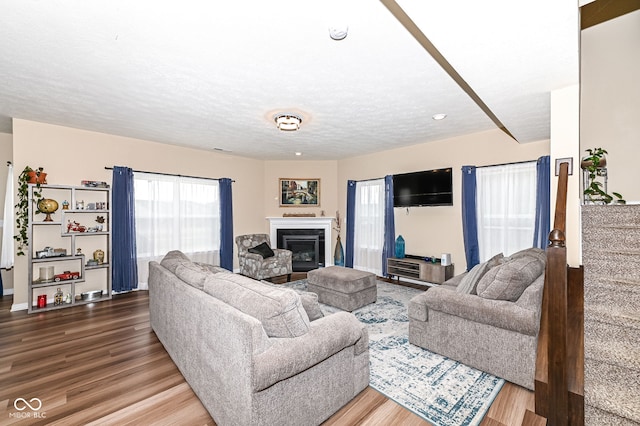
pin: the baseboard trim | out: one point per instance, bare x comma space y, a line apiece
19, 307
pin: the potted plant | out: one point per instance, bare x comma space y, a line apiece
27, 176
595, 190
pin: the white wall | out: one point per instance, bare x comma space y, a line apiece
610, 99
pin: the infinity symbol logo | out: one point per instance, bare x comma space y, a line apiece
26, 404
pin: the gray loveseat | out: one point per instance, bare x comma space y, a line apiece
249, 350
488, 318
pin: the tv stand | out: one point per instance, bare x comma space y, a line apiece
418, 269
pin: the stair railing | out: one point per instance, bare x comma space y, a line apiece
560, 363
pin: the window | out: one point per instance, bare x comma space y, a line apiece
369, 226
176, 213
506, 208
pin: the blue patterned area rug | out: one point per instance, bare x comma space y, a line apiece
442, 391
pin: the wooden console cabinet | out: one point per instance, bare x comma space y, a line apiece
417, 269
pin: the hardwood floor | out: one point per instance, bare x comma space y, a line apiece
102, 364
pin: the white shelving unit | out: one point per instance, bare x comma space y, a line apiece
76, 231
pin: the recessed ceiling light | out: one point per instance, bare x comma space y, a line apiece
439, 116
298, 154
288, 122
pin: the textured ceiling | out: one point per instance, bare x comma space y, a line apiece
212, 75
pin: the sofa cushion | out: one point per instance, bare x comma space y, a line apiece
279, 310
263, 250
508, 280
192, 274
470, 281
213, 268
172, 259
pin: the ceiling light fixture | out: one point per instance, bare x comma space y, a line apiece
288, 122
338, 32
439, 116
298, 154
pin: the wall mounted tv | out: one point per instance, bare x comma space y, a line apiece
425, 188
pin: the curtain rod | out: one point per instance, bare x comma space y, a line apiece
507, 164
368, 180
169, 174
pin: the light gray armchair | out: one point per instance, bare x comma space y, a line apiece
256, 266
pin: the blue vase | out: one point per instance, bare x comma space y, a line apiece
400, 247
338, 254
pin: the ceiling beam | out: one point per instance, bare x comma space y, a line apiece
413, 29
600, 11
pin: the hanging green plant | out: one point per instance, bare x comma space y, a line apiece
27, 176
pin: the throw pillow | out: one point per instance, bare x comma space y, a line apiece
309, 301
533, 251
470, 281
192, 274
509, 280
172, 259
263, 250
310, 304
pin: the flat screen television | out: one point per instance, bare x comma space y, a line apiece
425, 188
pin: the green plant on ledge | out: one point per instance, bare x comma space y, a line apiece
22, 208
594, 191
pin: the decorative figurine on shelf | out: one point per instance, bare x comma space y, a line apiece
80, 205
42, 301
78, 251
67, 298
98, 256
57, 299
65, 205
99, 226
47, 206
75, 227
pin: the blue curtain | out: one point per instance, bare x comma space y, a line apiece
543, 201
351, 218
226, 224
469, 216
125, 268
388, 250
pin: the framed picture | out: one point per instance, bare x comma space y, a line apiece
299, 192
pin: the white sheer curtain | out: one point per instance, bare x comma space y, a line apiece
6, 261
176, 213
506, 208
369, 226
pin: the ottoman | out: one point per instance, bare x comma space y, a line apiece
344, 288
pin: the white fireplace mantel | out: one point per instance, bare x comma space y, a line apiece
322, 222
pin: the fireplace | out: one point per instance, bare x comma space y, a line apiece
306, 245
300, 226
305, 251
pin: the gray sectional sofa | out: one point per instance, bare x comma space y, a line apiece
250, 351
488, 318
